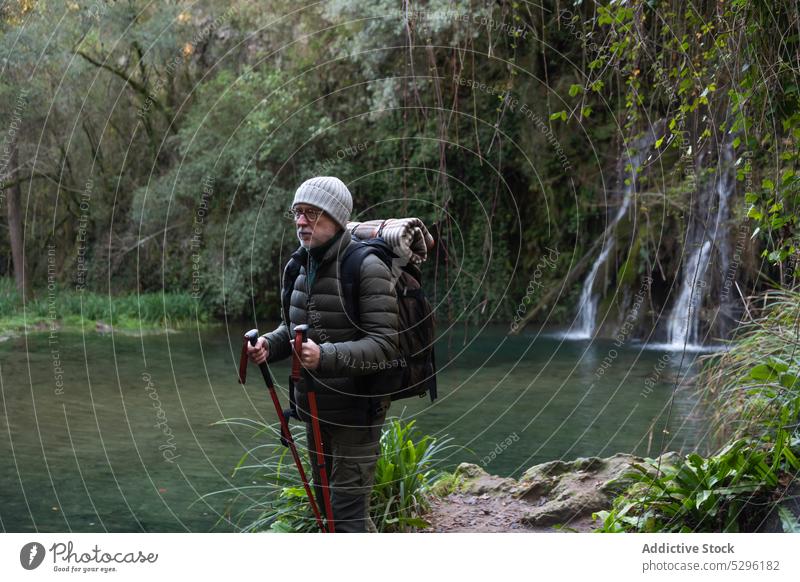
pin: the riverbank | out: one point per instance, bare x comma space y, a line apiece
19, 326
61, 309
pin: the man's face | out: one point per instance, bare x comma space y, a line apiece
314, 227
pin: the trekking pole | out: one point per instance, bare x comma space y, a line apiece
252, 337
300, 337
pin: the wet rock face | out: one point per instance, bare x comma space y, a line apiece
557, 492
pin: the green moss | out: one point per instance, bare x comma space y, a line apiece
626, 275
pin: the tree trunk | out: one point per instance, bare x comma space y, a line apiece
16, 232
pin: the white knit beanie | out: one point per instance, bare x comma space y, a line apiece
328, 193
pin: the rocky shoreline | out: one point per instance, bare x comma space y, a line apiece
555, 496
552, 496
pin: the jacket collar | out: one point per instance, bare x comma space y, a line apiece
335, 250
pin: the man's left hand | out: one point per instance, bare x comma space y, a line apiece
309, 354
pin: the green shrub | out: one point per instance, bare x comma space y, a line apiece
276, 501
9, 299
404, 477
731, 491
752, 383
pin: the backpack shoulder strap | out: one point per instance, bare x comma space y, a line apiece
350, 277
290, 274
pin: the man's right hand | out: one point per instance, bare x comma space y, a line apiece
258, 353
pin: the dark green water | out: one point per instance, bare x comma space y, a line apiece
129, 443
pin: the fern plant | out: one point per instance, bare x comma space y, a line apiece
731, 491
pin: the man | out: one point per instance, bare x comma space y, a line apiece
338, 351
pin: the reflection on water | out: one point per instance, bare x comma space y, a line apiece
127, 442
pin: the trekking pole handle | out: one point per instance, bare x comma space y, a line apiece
252, 337
300, 337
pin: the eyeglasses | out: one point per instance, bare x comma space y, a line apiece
311, 214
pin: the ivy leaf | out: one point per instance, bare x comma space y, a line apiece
778, 365
762, 372
754, 213
776, 256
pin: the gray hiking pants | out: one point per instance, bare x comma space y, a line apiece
351, 454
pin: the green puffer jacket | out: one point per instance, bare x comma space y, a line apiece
347, 351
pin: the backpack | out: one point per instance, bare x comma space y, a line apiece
415, 371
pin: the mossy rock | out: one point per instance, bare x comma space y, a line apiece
563, 492
476, 481
559, 492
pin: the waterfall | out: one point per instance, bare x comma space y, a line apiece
726, 184
684, 320
683, 326
587, 304
726, 187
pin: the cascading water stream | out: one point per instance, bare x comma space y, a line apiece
726, 187
587, 304
684, 321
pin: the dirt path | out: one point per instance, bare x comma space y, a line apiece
464, 512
